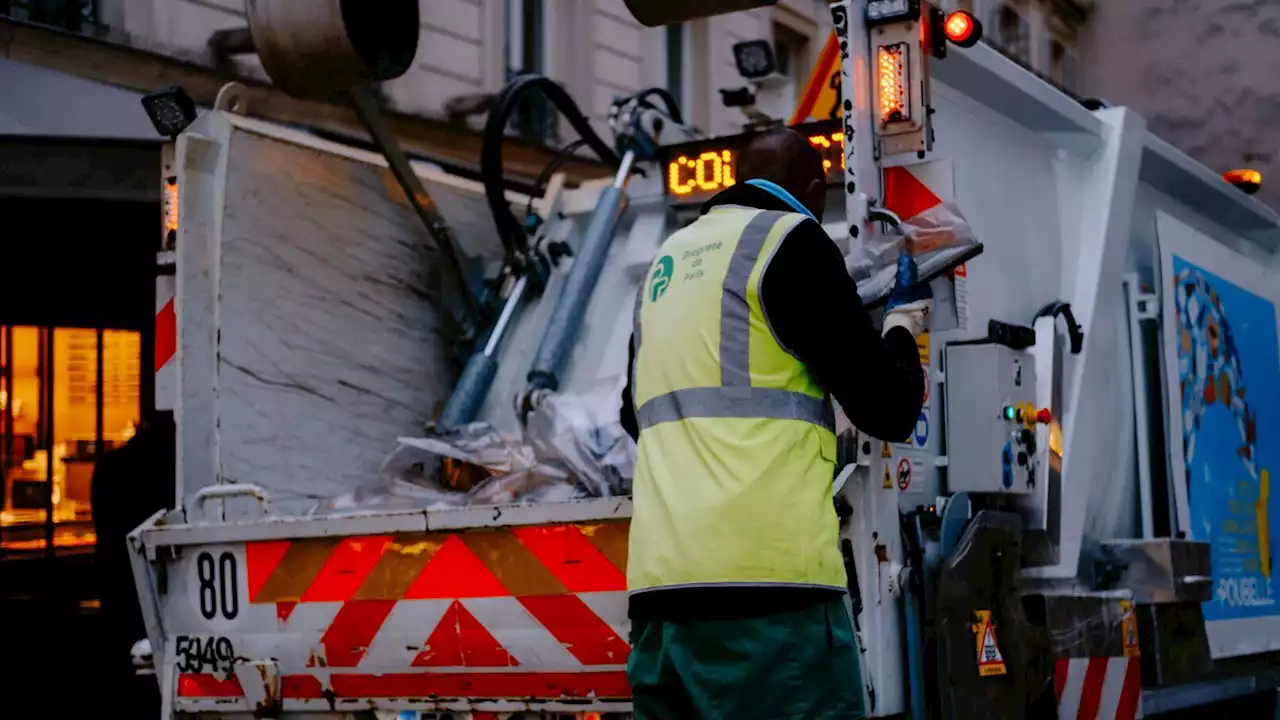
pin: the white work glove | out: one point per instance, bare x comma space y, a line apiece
911, 301
913, 316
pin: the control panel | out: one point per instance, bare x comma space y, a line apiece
991, 419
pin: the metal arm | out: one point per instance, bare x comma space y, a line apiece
366, 106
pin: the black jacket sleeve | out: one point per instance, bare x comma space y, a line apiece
815, 313
628, 415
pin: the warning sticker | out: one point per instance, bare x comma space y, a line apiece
922, 346
1129, 627
919, 438
821, 97
885, 452
888, 482
990, 660
904, 474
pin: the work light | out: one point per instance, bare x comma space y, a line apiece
171, 111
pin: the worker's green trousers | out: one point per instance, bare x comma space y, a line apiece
798, 665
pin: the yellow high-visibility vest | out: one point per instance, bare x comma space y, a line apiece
737, 445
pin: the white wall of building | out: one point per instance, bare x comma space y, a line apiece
593, 47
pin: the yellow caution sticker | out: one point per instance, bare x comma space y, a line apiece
922, 346
885, 452
1129, 629
1264, 525
888, 482
990, 659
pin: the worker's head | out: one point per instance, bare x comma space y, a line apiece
784, 157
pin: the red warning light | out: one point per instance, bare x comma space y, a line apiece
963, 28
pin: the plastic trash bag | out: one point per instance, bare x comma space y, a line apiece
475, 465
574, 448
939, 238
584, 434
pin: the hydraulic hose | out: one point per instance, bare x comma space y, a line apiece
566, 318
510, 230
673, 108
477, 377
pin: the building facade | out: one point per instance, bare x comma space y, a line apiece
1203, 74
594, 48
1042, 35
469, 48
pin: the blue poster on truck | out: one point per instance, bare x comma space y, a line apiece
1226, 413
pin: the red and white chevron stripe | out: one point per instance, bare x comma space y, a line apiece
534, 613
166, 339
1107, 688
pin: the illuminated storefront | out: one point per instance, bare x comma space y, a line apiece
66, 396
80, 224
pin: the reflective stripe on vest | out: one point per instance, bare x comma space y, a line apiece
735, 398
748, 402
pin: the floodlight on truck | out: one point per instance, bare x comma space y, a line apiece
171, 111
754, 59
887, 11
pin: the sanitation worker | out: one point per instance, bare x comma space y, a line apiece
747, 324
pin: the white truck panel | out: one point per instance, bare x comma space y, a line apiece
309, 332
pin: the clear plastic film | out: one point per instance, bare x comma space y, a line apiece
584, 435
939, 238
574, 448
474, 466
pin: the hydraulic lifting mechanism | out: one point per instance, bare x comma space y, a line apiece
936, 570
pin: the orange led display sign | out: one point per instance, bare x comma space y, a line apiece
831, 145
711, 171
696, 171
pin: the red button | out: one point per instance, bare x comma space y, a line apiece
1044, 417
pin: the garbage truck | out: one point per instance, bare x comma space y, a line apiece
403, 490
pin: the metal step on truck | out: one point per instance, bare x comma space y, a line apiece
1080, 527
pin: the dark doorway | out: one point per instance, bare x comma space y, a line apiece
77, 289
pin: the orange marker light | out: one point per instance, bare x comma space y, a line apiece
1250, 181
893, 99
171, 204
963, 29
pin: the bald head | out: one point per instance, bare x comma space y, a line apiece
783, 156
